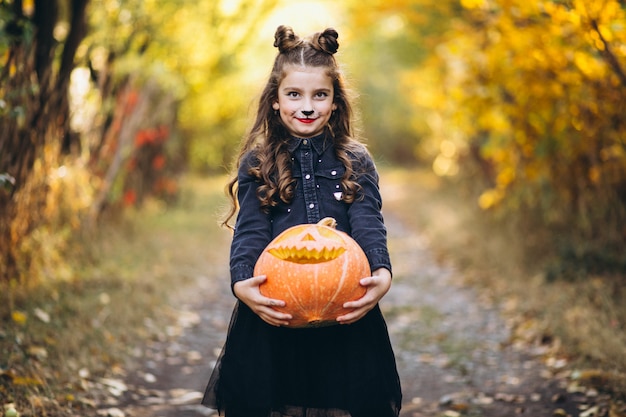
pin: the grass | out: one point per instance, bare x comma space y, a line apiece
584, 320
60, 334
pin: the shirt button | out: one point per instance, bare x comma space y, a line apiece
307, 176
311, 205
333, 172
306, 142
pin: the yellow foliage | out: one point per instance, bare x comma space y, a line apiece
505, 177
19, 317
536, 86
473, 4
25, 380
490, 198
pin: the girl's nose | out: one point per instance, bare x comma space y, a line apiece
307, 113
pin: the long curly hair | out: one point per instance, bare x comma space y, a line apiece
268, 138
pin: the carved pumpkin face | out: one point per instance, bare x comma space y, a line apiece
308, 245
315, 269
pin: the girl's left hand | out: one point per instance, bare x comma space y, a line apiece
377, 286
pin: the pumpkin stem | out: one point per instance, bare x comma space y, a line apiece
328, 221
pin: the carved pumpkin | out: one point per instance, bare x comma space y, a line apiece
315, 269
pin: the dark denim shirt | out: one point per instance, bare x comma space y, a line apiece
318, 194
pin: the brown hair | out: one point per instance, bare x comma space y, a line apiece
268, 138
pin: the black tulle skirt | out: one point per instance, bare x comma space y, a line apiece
335, 371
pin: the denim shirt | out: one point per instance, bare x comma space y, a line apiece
318, 194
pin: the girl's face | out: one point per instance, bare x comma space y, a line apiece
305, 100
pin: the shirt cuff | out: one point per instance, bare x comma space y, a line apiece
240, 273
379, 258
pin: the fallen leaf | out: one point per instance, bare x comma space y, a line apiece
114, 386
184, 397
42, 315
111, 412
104, 298
187, 319
19, 317
194, 356
591, 412
38, 352
26, 381
416, 401
461, 407
83, 373
483, 399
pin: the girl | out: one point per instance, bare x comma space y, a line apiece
298, 165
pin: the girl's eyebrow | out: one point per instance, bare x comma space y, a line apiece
288, 88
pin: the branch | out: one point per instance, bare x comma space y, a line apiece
608, 54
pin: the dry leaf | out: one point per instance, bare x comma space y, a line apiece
111, 412
184, 397
19, 317
591, 412
42, 315
115, 386
38, 352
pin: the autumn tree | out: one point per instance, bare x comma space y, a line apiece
388, 42
101, 119
34, 82
534, 97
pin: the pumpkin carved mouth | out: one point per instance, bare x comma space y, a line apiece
307, 251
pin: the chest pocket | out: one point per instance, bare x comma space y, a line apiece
329, 182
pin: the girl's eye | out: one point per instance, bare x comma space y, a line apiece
292, 94
322, 94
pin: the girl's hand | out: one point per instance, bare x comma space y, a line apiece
377, 286
248, 292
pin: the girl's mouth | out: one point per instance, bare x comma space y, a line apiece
306, 121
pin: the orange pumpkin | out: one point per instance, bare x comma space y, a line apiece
315, 269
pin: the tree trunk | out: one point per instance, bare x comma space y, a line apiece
37, 116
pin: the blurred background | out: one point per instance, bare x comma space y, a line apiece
105, 103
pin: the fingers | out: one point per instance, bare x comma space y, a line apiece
353, 316
376, 287
273, 317
274, 303
248, 292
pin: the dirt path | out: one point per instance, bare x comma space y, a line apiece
452, 347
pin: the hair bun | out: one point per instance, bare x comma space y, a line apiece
326, 41
285, 39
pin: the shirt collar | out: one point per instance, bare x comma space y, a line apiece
320, 143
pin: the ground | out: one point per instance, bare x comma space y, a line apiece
455, 349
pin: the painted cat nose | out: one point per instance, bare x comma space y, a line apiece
307, 113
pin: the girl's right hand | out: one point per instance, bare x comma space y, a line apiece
248, 292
